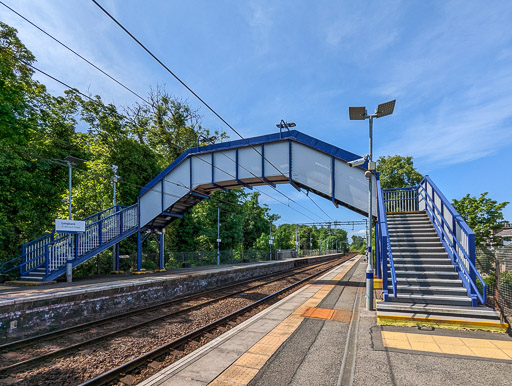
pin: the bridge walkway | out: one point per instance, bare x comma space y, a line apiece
323, 335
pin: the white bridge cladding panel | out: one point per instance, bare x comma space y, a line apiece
311, 165
278, 154
350, 188
176, 184
201, 170
249, 162
311, 168
225, 162
150, 204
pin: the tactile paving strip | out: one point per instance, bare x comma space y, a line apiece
256, 357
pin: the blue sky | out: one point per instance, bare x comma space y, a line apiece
448, 64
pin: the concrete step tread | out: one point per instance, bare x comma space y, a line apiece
434, 297
442, 273
422, 266
480, 311
411, 234
414, 243
425, 239
430, 288
440, 317
422, 260
428, 282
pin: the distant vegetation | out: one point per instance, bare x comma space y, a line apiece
39, 129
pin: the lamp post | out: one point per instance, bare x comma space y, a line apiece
115, 178
70, 161
270, 242
218, 235
284, 125
359, 113
211, 139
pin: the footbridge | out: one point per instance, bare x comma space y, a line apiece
425, 252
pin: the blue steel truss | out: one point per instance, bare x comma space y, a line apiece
456, 236
109, 227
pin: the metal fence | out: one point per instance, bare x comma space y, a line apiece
401, 199
199, 258
495, 265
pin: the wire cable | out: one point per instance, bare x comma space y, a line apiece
188, 88
123, 117
76, 53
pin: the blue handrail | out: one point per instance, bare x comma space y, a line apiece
384, 246
456, 236
36, 253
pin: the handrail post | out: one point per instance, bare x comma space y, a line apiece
120, 223
377, 249
472, 273
46, 258
23, 258
385, 289
100, 232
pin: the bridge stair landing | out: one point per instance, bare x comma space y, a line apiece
429, 290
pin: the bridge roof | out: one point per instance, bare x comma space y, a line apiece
292, 135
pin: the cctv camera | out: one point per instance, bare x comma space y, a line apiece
357, 162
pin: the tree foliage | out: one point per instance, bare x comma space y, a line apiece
483, 215
397, 172
358, 244
37, 129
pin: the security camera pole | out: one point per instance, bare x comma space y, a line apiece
70, 161
359, 113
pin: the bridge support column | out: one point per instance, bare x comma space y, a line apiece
162, 235
115, 250
139, 251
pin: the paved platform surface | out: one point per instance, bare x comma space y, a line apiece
323, 335
8, 294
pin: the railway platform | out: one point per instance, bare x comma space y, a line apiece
323, 335
27, 311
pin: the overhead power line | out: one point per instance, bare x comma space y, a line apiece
124, 117
137, 95
192, 92
76, 53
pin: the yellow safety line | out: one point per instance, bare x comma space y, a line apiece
245, 368
401, 320
481, 348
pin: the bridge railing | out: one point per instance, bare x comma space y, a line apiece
51, 251
383, 247
455, 234
401, 199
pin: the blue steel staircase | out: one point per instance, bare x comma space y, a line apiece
45, 258
426, 259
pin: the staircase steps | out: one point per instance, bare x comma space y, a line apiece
34, 276
429, 290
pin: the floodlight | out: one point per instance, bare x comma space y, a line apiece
285, 125
385, 108
357, 113
74, 160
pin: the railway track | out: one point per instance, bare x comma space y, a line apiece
49, 346
110, 377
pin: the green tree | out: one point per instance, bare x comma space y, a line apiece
397, 172
35, 128
483, 215
358, 244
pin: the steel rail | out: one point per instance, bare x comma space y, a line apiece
53, 334
63, 351
113, 374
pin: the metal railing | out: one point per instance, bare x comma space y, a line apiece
401, 199
455, 234
52, 251
383, 246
